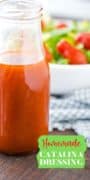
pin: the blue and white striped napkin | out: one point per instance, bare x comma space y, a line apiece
71, 112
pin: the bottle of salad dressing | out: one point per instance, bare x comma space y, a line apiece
24, 77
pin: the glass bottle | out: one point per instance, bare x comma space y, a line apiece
24, 77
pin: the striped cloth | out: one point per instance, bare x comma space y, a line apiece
71, 112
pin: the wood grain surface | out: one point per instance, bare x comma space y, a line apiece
25, 168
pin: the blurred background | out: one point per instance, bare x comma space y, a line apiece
70, 85
72, 9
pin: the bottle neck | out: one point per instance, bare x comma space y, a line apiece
20, 32
21, 42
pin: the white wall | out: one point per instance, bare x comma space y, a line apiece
68, 8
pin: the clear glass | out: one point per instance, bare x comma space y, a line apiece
24, 77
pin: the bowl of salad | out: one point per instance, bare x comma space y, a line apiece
67, 49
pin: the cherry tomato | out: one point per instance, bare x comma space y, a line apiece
43, 25
48, 54
78, 57
84, 38
61, 25
74, 55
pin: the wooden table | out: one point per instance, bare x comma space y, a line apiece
25, 168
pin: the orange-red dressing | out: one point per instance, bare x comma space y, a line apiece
24, 99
